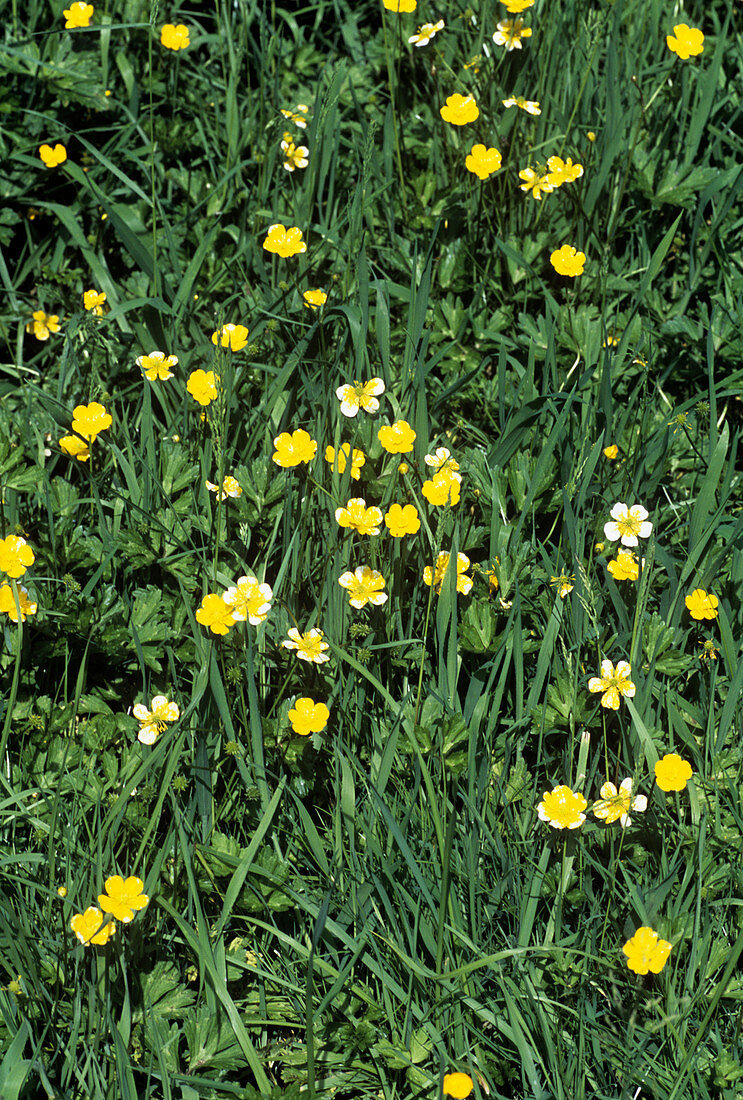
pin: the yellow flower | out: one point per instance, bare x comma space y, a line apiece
459, 1085
123, 897
563, 171
702, 605
459, 110
230, 488
307, 716
567, 261
234, 337
364, 520
615, 803
402, 520
689, 41
78, 15
75, 447
612, 341
625, 567
645, 952
613, 682
285, 242
510, 32
174, 38
564, 584
562, 808
295, 155
15, 556
709, 651
426, 33
339, 463
294, 449
483, 162
215, 614
436, 575
360, 395
313, 299
156, 366
538, 185
154, 722
90, 420
611, 452
628, 524
249, 599
8, 604
309, 646
298, 117
364, 586
441, 460
492, 577
591, 136
672, 773
52, 158
89, 927
397, 439
93, 300
515, 7
400, 5
43, 324
202, 385
529, 105
442, 488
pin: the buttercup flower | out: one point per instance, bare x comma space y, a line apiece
75, 447
399, 5
492, 577
295, 156
611, 452
709, 651
426, 33
309, 646
510, 32
402, 520
90, 420
215, 613
249, 599
689, 41
234, 337
442, 488
672, 773
298, 117
364, 586
307, 716
567, 261
397, 439
442, 459
89, 927
562, 808
43, 324
464, 582
154, 722
15, 556
563, 171
292, 450
230, 488
360, 395
702, 605
339, 462
8, 604
483, 162
529, 105
515, 7
613, 682
202, 385
122, 897
174, 38
628, 524
459, 110
156, 366
285, 242
52, 158
646, 952
362, 519
625, 567
538, 185
458, 1085
78, 15
313, 299
93, 301
564, 584
615, 803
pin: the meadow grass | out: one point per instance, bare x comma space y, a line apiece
364, 909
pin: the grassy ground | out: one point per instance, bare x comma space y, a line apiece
360, 910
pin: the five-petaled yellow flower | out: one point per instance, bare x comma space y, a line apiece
562, 808
360, 395
298, 117
402, 520
155, 721
43, 324
400, 5
646, 952
90, 929
436, 575
510, 32
563, 171
483, 162
529, 105
234, 337
538, 185
8, 605
215, 613
460, 109
614, 683
364, 586
398, 438
123, 897
75, 447
458, 1085
611, 452
366, 521
615, 803
15, 556
295, 156
78, 14
294, 449
53, 157
628, 524
89, 420
515, 7
338, 462
702, 605
307, 716
625, 567
564, 584
230, 488
426, 34
688, 41
202, 385
672, 773
156, 366
309, 646
174, 38
283, 241
249, 600
442, 488
568, 261
93, 301
313, 299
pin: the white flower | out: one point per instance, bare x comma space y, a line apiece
360, 395
628, 524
